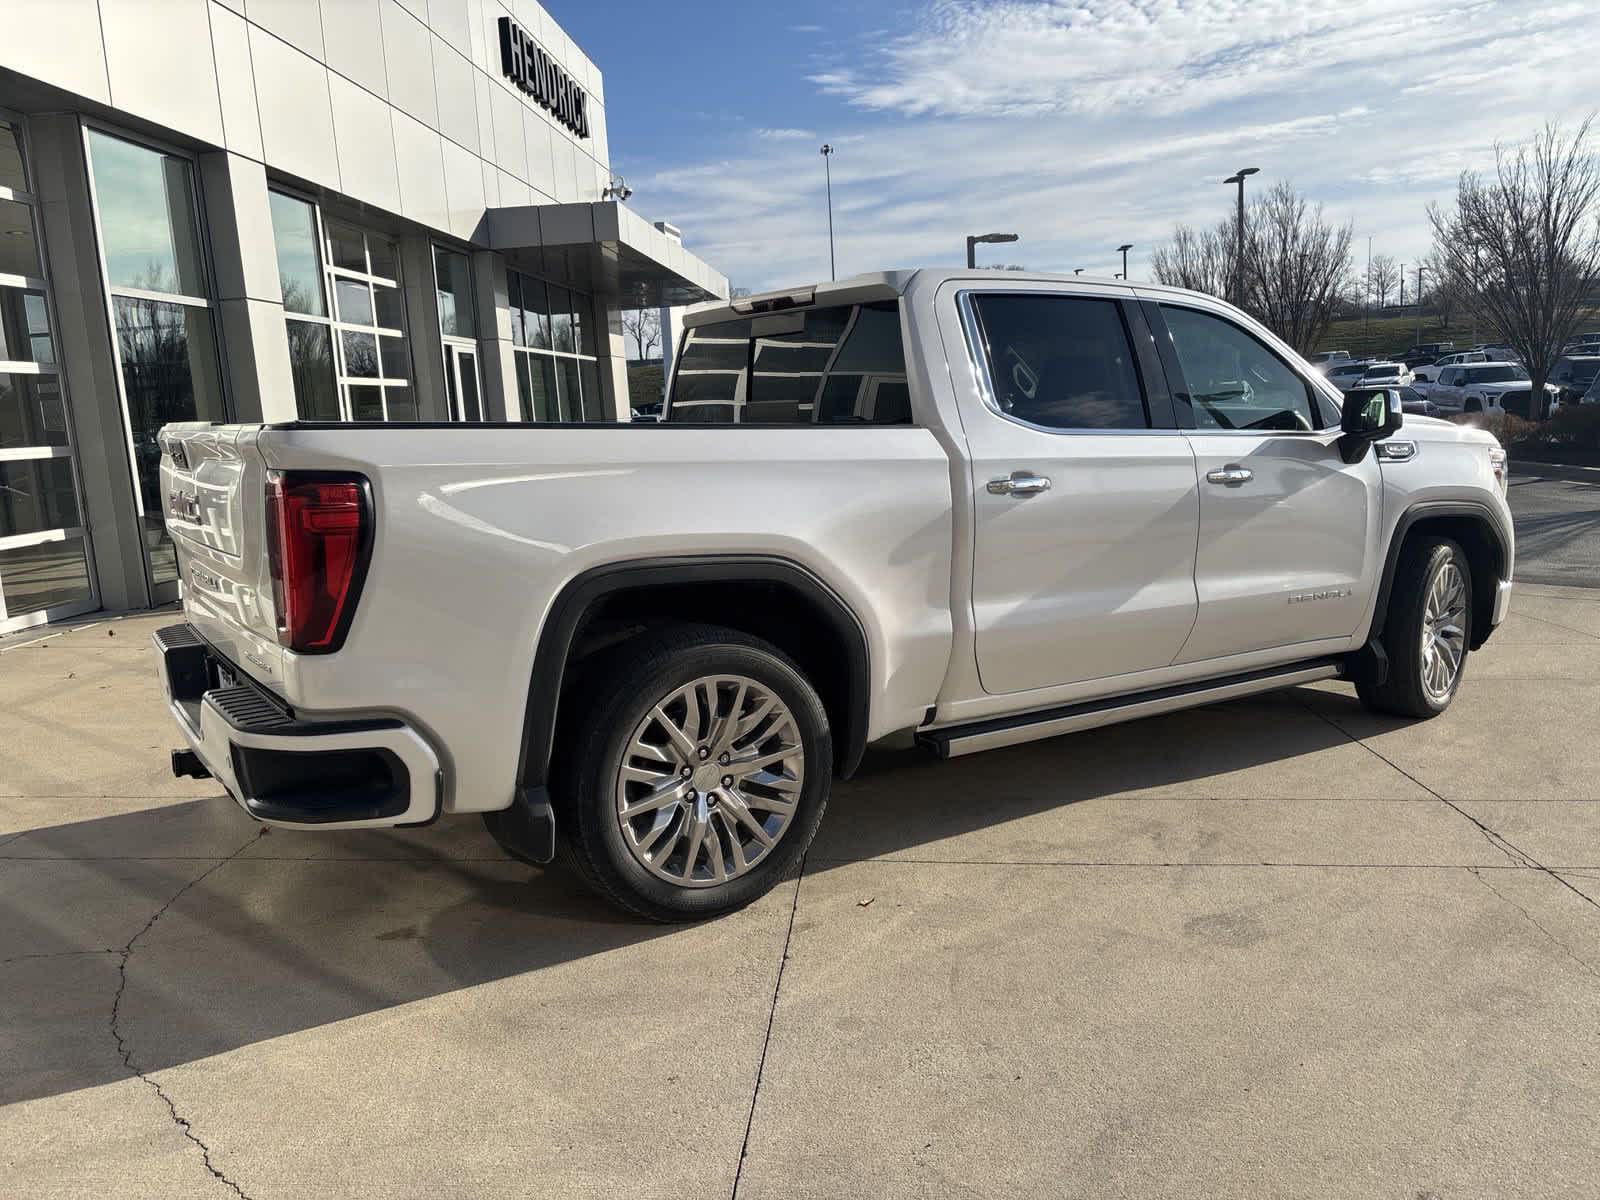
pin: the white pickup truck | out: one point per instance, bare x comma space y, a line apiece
963, 507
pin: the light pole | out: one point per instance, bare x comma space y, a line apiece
986, 238
1402, 287
1077, 270
827, 171
1238, 266
1421, 267
1123, 250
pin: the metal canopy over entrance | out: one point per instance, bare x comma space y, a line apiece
604, 249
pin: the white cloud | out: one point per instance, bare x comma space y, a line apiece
1080, 124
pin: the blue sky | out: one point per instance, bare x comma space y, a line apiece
1078, 124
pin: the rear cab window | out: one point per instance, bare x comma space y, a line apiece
834, 365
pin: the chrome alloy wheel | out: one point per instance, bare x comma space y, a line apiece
709, 781
1444, 634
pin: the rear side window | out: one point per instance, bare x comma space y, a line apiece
841, 365
1063, 362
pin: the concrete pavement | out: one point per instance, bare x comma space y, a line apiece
1274, 947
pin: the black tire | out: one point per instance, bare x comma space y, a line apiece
619, 690
1404, 693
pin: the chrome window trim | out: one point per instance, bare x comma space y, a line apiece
978, 359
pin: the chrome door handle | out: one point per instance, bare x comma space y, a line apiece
1232, 475
1020, 483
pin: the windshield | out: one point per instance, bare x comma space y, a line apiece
1387, 372
1503, 373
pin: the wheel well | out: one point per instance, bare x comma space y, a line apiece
1485, 559
795, 612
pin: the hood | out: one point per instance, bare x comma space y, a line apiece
1436, 429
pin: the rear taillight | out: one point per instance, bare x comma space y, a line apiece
319, 530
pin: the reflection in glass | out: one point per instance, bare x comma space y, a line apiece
169, 373
31, 411
561, 320
571, 396
536, 303
294, 232
11, 173
347, 247
19, 253
311, 363
592, 400
47, 575
354, 301
524, 389
391, 307
454, 285
36, 494
147, 220
24, 327
385, 256
401, 403
514, 301
366, 402
393, 359
360, 355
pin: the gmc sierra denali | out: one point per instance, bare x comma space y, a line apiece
965, 507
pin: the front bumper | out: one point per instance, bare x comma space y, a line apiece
286, 771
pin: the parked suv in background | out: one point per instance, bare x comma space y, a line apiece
1476, 387
1573, 375
1327, 358
1428, 372
905, 505
1385, 374
1345, 376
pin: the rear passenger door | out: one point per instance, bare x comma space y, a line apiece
1288, 530
1084, 494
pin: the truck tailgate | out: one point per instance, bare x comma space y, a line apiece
213, 488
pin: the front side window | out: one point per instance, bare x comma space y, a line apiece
840, 365
166, 347
1063, 362
1498, 374
1234, 381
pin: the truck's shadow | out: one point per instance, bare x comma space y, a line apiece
301, 930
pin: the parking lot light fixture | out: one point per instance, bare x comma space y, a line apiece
1123, 250
1239, 177
986, 238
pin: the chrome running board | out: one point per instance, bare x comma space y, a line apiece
952, 741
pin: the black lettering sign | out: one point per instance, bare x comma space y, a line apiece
535, 74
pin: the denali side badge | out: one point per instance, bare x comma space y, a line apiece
1326, 594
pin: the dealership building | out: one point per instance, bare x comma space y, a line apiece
270, 210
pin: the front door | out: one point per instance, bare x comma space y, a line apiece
1084, 494
1288, 530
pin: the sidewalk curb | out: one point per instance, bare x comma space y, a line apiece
1572, 474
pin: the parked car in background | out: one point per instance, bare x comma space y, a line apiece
1345, 375
1425, 352
1583, 343
1324, 359
1385, 374
1573, 375
1416, 404
1478, 388
1428, 372
661, 645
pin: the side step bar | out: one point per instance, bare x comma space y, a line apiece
952, 741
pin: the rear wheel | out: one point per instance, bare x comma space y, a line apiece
698, 772
1426, 631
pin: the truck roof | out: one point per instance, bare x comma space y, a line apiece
881, 285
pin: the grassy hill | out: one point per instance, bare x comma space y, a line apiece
1393, 334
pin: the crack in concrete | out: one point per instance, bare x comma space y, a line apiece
766, 1041
125, 1051
1534, 921
1517, 855
54, 954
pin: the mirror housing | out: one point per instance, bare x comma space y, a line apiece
1370, 415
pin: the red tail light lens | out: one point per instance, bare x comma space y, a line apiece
319, 530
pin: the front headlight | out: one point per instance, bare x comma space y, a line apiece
1497, 464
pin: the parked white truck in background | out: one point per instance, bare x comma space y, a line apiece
968, 507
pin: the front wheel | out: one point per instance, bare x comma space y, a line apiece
698, 774
1426, 631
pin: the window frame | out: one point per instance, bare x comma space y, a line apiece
1149, 367
1314, 385
523, 354
37, 370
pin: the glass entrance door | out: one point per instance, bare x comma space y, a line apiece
44, 546
461, 381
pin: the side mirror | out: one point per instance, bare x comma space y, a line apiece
1370, 415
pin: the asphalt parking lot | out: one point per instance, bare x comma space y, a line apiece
1278, 947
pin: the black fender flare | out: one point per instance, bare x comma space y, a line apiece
1423, 510
575, 602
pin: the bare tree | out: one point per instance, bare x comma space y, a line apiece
643, 325
1198, 259
1527, 240
1297, 266
1382, 278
